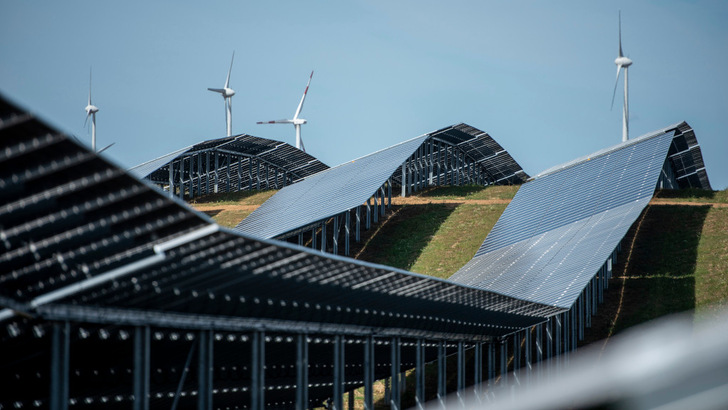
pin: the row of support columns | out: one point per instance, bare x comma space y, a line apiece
328, 235
438, 163
188, 179
554, 338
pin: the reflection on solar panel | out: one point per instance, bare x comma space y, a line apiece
229, 164
95, 261
455, 155
562, 226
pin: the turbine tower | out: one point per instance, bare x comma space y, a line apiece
297, 122
91, 111
227, 94
623, 62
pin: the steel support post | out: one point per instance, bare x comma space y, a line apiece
267, 176
313, 238
257, 379
438, 162
394, 400
240, 174
250, 174
199, 174
171, 179
567, 328
323, 236
409, 176
389, 193
217, 171
339, 362
358, 224
527, 351
227, 172
504, 362
207, 172
517, 338
383, 208
347, 232
335, 235
491, 364
539, 350
404, 179
478, 369
181, 178
609, 273
60, 359
575, 328
557, 339
141, 367
594, 292
587, 306
420, 374
549, 338
369, 365
257, 174
369, 213
204, 370
581, 316
600, 285
441, 372
375, 210
461, 368
192, 179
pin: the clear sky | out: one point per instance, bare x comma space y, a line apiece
536, 75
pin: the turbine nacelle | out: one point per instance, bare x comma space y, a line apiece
229, 92
623, 61
91, 109
298, 121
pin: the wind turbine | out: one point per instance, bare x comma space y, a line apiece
297, 122
91, 111
622, 62
227, 94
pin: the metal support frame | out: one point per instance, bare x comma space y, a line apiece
503, 362
204, 370
369, 364
396, 394
478, 370
490, 347
302, 372
441, 372
420, 374
142, 337
257, 379
60, 358
217, 176
461, 370
339, 361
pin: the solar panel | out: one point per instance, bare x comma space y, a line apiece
452, 154
562, 226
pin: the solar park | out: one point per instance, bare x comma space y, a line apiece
116, 293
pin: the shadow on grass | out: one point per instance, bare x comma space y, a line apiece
400, 240
655, 274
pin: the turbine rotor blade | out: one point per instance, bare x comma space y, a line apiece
275, 122
620, 33
227, 81
89, 86
300, 105
86, 120
217, 90
619, 67
105, 148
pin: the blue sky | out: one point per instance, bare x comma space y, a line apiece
536, 75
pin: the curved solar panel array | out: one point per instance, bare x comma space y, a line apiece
229, 164
96, 261
452, 155
562, 226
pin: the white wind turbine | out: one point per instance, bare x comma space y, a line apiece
91, 111
227, 94
297, 122
623, 62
